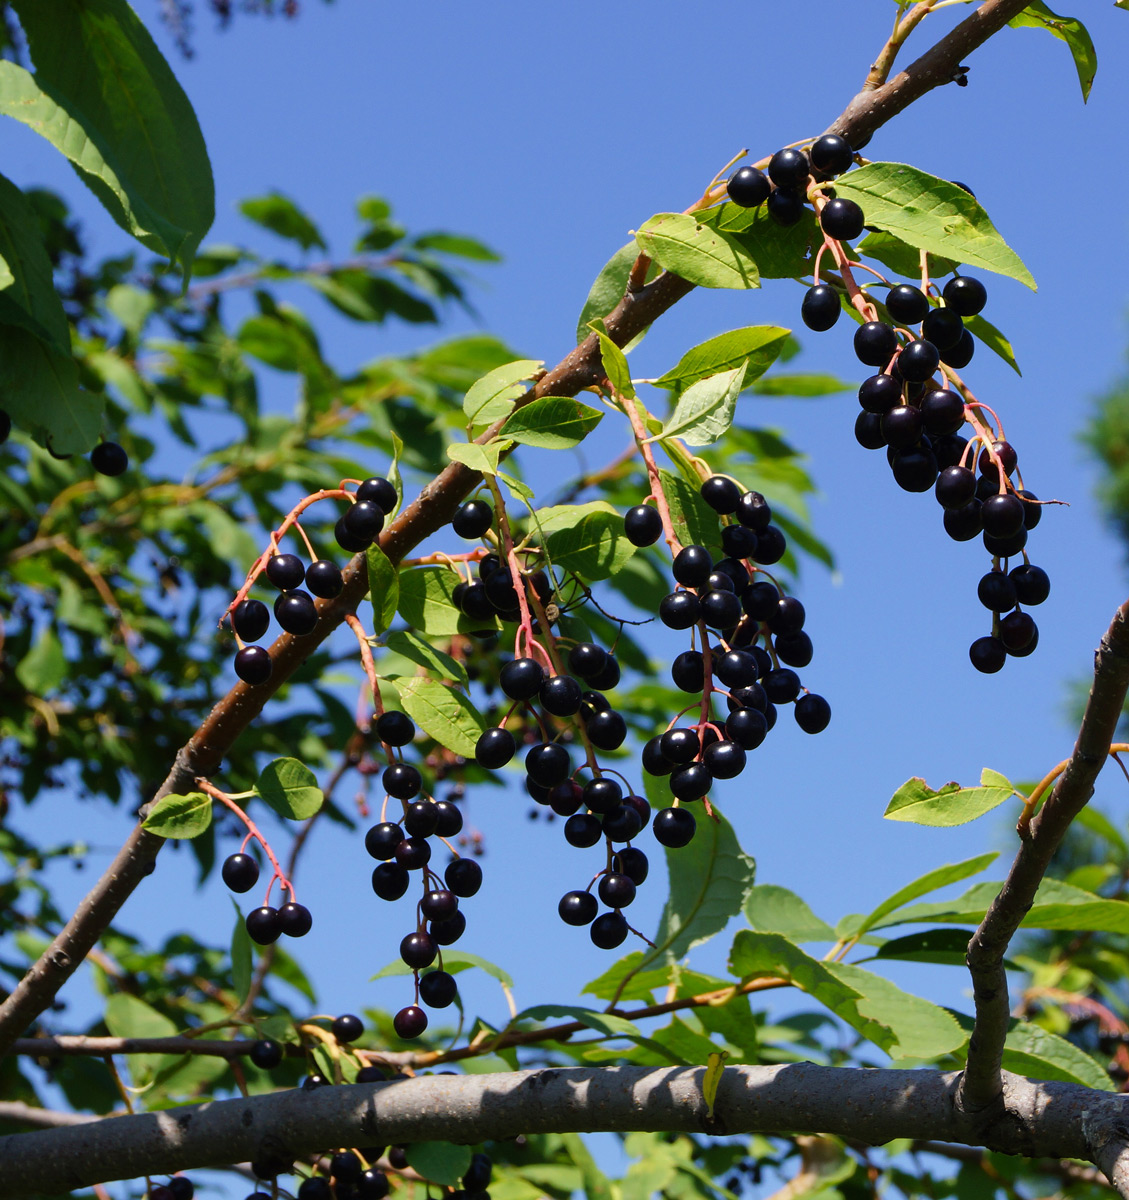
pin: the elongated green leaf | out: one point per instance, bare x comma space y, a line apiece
491, 397
483, 459
780, 251
290, 788
774, 909
587, 539
424, 654
443, 713
993, 339
44, 666
695, 523
757, 346
241, 958
639, 986
704, 411
427, 602
553, 423
917, 803
615, 363
698, 253
596, 1184
605, 1023
454, 961
383, 588
900, 257
801, 384
932, 214
931, 881
1031, 1050
945, 946
128, 1016
184, 816
105, 97
1038, 16
28, 297
42, 396
281, 215
441, 1162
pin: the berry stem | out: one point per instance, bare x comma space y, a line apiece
226, 800
857, 295
525, 626
367, 661
631, 411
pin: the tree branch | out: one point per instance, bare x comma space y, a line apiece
981, 1089
428, 513
45, 1118
863, 1105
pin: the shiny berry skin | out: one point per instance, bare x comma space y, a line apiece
296, 612
868, 431
108, 458
548, 763
735, 668
1032, 512
721, 493
748, 187
687, 671
720, 610
439, 904
373, 1184
565, 798
601, 795
643, 525
409, 1022
560, 695
961, 354
691, 782
417, 950
475, 603
421, 818
495, 748
1002, 515
265, 1054
295, 919
738, 542
633, 863
906, 304
586, 660
1005, 452
747, 727
692, 566
622, 824
285, 571
323, 578
752, 696
915, 469
781, 685
607, 678
263, 925
841, 219
389, 881
901, 426
1016, 631
463, 877
616, 891
437, 989
680, 746
987, 655
771, 545
382, 839
395, 728
653, 760
674, 827
607, 730
5, 426
965, 295
813, 713
345, 1167
880, 393
583, 830
413, 853
725, 760
349, 541
472, 519
182, 1188
253, 665
794, 649
820, 308
347, 1028
875, 343
449, 820
996, 592
251, 619
948, 449
1005, 547
591, 703
364, 519
831, 154
402, 781
942, 411
785, 206
753, 510
789, 168
381, 491
963, 524
1032, 584
522, 678
680, 610
578, 908
944, 328
608, 930
918, 361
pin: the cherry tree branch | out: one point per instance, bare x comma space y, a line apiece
981, 1089
867, 1106
427, 514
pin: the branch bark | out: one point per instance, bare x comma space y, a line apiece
429, 512
981, 1088
863, 1105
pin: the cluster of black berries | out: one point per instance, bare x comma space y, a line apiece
266, 924
402, 847
351, 1179
179, 1187
266, 1054
783, 190
294, 607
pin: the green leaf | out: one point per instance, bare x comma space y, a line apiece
1031, 1050
900, 257
483, 459
639, 986
105, 97
458, 244
780, 252
605, 1023
757, 346
44, 666
441, 1162
442, 713
383, 586
184, 816
281, 215
932, 214
945, 946
128, 1016
553, 423
993, 339
615, 363
596, 1184
698, 253
931, 881
414, 648
704, 411
28, 297
454, 961
917, 803
587, 539
695, 523
608, 288
41, 393
290, 788
491, 397
1038, 16
801, 384
241, 958
774, 909
427, 602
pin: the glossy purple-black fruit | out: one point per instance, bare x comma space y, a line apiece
794, 649
965, 295
880, 393
781, 685
1032, 584
820, 308
948, 449
831, 154
754, 511
687, 671
690, 782
587, 660
901, 426
1002, 515
1005, 547
1016, 631
395, 728
752, 696
679, 610
623, 823
875, 343
747, 727
789, 168
402, 781
942, 411
653, 760
616, 891
721, 493
437, 989
813, 713
601, 795
918, 360
475, 603
295, 919
724, 760
439, 904
463, 877
108, 458
987, 654
390, 880
786, 206
608, 930
748, 187
380, 491
560, 695
373, 1183
347, 1028
265, 1054
963, 524
449, 820
915, 469
944, 328
583, 830
420, 818
495, 748
240, 872
472, 519
761, 600
410, 1022
674, 827
842, 219
253, 665
1032, 512
721, 610
521, 679
250, 620
643, 525
323, 578
692, 566
296, 612
680, 746
413, 854
961, 354
632, 862
739, 541
548, 763
771, 545
607, 677
607, 730
263, 925
868, 430
906, 304
382, 839
418, 950
285, 571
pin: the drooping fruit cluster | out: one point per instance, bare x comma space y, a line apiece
916, 406
265, 924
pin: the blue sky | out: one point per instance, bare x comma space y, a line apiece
550, 132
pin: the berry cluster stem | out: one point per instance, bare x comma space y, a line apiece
253, 831
639, 430
525, 627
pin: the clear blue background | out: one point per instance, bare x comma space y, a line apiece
552, 131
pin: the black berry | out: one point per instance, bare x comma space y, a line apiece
263, 925
918, 360
108, 458
382, 839
748, 187
347, 1027
679, 610
295, 919
820, 308
987, 654
463, 877
831, 154
380, 491
250, 620
473, 519
944, 328
323, 578
265, 1054
674, 827
789, 168
364, 519
437, 989
721, 493
906, 304
389, 880
296, 612
608, 930
578, 908
643, 525
812, 713
285, 571
409, 1022
842, 219
1032, 584
495, 748
402, 780
965, 295
395, 728
587, 660
253, 665
786, 206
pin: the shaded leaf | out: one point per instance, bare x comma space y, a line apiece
757, 346
427, 602
587, 539
241, 958
900, 257
704, 411
290, 788
281, 215
27, 287
44, 666
383, 586
441, 1162
605, 1023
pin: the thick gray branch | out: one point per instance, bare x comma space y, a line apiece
863, 1105
1107, 1133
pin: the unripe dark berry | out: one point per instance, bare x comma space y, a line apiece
253, 665
285, 571
108, 458
643, 525
813, 713
748, 187
323, 578
296, 612
380, 491
472, 519
906, 304
251, 619
438, 989
842, 219
820, 308
965, 295
674, 827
